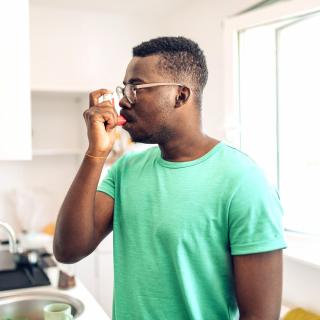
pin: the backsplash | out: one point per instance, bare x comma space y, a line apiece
31, 192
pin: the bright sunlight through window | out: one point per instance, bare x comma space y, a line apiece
279, 80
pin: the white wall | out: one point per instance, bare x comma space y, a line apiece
202, 22
301, 284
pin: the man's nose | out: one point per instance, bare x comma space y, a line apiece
124, 103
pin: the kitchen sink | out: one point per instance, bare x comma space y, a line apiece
29, 305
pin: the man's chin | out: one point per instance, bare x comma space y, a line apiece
141, 139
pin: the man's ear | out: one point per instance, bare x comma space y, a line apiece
182, 96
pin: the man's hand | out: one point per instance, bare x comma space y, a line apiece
101, 120
258, 281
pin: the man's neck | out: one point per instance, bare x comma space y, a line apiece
187, 149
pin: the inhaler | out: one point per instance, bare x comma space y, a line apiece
110, 97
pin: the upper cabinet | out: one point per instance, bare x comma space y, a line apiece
77, 50
15, 100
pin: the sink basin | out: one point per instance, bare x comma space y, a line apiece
29, 305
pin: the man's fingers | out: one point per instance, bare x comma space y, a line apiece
100, 114
94, 96
111, 119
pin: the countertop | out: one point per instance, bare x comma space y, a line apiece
92, 310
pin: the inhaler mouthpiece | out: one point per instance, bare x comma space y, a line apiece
110, 97
105, 97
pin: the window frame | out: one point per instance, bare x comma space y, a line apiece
231, 28
300, 246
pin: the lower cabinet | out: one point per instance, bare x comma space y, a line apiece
96, 273
105, 285
86, 271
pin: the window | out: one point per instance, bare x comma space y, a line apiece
274, 80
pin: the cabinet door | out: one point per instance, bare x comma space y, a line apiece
76, 50
105, 286
15, 109
86, 271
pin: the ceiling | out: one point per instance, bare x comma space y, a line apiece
123, 6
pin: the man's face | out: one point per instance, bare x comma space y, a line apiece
150, 118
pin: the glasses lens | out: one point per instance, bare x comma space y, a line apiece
129, 92
119, 91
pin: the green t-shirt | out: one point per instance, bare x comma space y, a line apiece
176, 226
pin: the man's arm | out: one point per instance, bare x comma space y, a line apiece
85, 217
258, 281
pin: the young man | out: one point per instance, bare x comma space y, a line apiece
196, 225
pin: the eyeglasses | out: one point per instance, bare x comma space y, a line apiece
130, 90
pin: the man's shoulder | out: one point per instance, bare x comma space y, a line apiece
240, 168
136, 157
236, 160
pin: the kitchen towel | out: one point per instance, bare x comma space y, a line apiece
300, 314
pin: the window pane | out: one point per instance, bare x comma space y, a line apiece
299, 129
279, 77
258, 98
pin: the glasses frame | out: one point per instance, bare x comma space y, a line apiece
134, 87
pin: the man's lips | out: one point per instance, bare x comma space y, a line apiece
126, 117
121, 121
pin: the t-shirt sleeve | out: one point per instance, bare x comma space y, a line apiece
255, 216
108, 183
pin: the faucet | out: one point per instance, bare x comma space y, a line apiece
12, 237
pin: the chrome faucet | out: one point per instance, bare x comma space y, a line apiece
12, 237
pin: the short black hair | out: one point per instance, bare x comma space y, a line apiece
181, 58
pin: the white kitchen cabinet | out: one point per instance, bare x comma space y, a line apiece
15, 116
104, 254
76, 49
58, 126
86, 271
96, 273
105, 284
